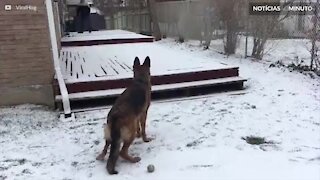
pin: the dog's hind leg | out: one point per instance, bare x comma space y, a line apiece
143, 127
114, 151
104, 151
124, 151
138, 128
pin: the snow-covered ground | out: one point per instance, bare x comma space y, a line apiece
287, 51
194, 138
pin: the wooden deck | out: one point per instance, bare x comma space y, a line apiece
114, 62
103, 71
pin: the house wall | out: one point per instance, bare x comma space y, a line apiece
26, 66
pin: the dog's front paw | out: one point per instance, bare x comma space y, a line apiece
136, 159
111, 170
146, 139
100, 157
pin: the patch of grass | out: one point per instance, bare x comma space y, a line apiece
2, 177
20, 161
194, 143
180, 39
304, 69
254, 140
74, 163
26, 171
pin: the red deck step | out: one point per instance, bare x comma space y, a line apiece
98, 98
156, 80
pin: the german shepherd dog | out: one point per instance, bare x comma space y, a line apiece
127, 118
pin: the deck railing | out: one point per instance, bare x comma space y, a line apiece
54, 46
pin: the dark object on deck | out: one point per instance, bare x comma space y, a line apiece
83, 16
86, 21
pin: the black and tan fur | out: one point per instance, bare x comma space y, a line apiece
127, 118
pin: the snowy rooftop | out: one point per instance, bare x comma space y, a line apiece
102, 35
78, 2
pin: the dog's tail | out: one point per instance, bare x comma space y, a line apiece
115, 147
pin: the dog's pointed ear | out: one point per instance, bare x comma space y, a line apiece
136, 62
147, 62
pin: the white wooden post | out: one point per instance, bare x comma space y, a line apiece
54, 48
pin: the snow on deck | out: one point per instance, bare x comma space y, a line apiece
102, 35
106, 62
